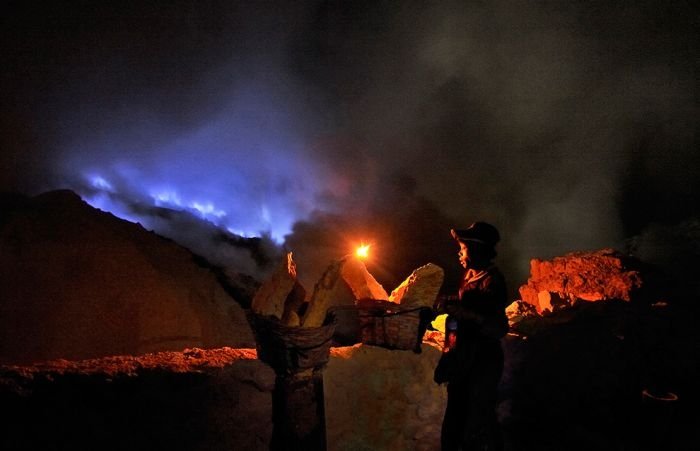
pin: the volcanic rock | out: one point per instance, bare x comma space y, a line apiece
421, 288
80, 283
588, 276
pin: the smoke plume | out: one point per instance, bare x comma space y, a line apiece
569, 126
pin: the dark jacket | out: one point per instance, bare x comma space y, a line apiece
480, 309
474, 367
481, 322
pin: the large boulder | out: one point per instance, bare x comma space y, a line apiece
589, 276
80, 283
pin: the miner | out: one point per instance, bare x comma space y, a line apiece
472, 365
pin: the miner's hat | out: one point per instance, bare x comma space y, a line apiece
479, 232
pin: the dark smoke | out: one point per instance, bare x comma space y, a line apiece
569, 125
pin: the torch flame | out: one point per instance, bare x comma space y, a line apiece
362, 251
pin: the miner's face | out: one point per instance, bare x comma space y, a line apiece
463, 254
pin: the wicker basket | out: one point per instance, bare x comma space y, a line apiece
292, 349
388, 325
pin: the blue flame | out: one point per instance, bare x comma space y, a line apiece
256, 222
100, 183
245, 167
166, 199
207, 210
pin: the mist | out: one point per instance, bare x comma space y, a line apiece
326, 124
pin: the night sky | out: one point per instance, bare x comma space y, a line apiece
570, 125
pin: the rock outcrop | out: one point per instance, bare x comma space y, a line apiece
80, 283
587, 276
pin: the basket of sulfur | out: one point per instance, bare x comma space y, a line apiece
288, 337
293, 333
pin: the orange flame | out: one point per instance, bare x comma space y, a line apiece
362, 251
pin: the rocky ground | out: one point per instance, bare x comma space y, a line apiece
218, 399
603, 355
603, 351
574, 383
603, 377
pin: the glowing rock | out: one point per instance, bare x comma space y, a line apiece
587, 276
361, 282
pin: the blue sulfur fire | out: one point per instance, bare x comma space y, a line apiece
243, 165
100, 183
166, 198
206, 210
104, 196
